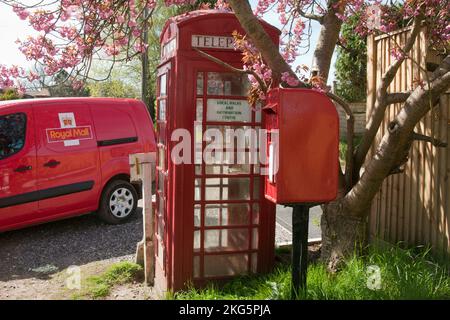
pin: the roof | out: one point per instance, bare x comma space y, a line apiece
70, 99
191, 16
38, 93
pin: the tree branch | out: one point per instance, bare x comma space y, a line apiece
435, 142
312, 16
396, 141
397, 97
262, 41
350, 133
230, 67
381, 102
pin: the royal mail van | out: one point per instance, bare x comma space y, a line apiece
64, 157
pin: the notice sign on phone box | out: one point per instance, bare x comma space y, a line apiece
228, 110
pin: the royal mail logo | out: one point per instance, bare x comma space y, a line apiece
67, 134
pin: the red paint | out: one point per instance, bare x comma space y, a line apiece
308, 158
53, 164
176, 258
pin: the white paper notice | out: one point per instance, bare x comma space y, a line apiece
228, 110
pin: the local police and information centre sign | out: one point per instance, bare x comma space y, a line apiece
226, 110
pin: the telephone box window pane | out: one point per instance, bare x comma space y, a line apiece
236, 137
197, 215
200, 83
197, 240
160, 228
225, 265
256, 187
162, 159
161, 182
226, 240
255, 214
227, 214
228, 169
163, 85
198, 139
258, 115
227, 84
196, 266
255, 238
198, 189
161, 254
161, 206
254, 262
199, 110
212, 214
198, 169
162, 133
162, 110
227, 189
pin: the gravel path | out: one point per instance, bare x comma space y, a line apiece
46, 249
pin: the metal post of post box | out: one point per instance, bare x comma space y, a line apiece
300, 221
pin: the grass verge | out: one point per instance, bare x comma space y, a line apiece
403, 274
96, 287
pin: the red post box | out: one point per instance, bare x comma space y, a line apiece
212, 220
302, 146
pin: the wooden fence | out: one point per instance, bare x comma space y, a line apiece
359, 112
412, 207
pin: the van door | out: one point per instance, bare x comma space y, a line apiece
18, 196
67, 158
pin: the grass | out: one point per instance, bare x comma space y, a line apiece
404, 274
96, 287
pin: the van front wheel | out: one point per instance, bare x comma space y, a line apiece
118, 203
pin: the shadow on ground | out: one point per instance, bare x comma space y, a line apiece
39, 251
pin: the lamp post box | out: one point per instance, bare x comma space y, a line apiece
303, 147
212, 220
303, 158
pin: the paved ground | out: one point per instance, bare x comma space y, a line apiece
284, 221
31, 259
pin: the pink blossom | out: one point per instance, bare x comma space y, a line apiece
120, 19
289, 79
21, 12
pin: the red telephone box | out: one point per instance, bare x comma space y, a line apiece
302, 145
212, 220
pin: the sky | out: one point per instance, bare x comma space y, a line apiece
12, 28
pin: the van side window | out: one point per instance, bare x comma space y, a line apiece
12, 134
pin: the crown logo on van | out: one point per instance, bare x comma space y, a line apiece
67, 122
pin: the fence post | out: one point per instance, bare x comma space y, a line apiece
141, 166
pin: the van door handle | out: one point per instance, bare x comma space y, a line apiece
52, 164
23, 168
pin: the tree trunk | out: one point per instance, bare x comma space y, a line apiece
344, 220
343, 235
328, 37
